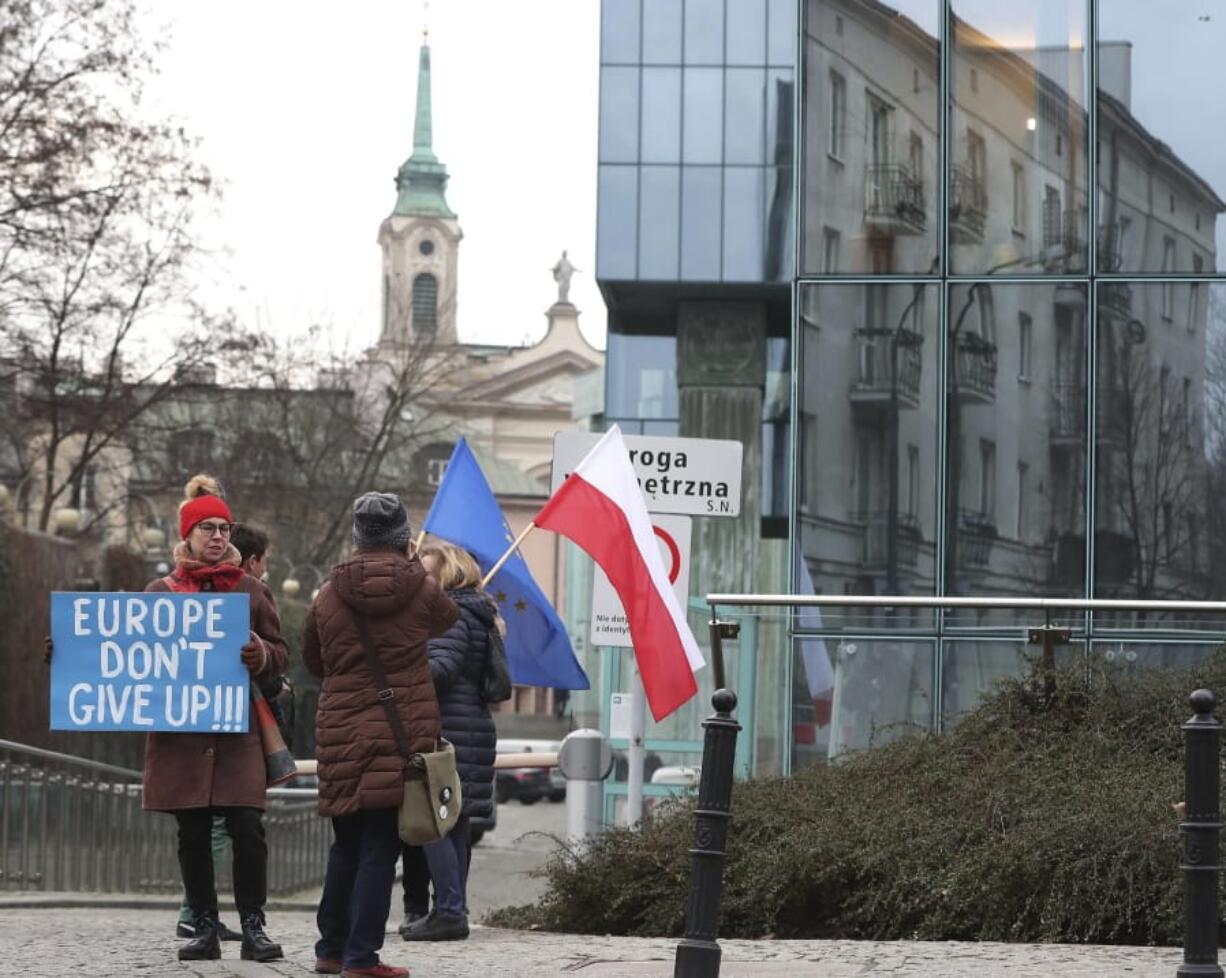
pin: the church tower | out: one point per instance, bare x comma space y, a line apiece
420, 241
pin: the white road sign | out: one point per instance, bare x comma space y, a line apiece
696, 476
609, 625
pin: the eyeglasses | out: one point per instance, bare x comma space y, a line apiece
209, 529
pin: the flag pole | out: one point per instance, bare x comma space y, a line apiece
507, 556
417, 543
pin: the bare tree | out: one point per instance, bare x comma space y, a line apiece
97, 205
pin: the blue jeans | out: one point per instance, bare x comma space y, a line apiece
357, 892
448, 862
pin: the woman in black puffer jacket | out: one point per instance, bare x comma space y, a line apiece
457, 666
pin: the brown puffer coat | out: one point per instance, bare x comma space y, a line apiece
198, 770
359, 764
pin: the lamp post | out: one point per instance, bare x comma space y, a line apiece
291, 585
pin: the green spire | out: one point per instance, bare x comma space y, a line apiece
422, 179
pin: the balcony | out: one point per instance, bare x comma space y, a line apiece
893, 201
1064, 241
976, 535
974, 374
880, 376
1115, 299
968, 206
877, 539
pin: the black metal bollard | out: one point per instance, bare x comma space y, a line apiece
698, 953
1200, 826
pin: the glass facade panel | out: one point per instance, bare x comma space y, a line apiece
1160, 163
619, 31
704, 101
868, 448
744, 112
661, 115
659, 222
641, 381
1016, 383
1160, 453
744, 223
848, 694
662, 32
781, 32
746, 32
1019, 79
619, 115
701, 219
870, 152
969, 669
704, 32
617, 229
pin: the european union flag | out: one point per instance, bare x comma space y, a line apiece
466, 513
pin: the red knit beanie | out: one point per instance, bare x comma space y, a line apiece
203, 500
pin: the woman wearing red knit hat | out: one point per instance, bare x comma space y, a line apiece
195, 776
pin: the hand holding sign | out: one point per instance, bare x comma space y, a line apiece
153, 661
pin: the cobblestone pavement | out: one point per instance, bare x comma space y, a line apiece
109, 943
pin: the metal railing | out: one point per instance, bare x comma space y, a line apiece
72, 825
894, 199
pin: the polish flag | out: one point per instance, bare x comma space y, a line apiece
601, 508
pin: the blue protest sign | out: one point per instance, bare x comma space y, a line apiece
151, 661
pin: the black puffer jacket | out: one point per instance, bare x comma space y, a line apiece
457, 664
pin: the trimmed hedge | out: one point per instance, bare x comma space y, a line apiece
1034, 819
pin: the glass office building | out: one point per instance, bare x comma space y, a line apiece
959, 260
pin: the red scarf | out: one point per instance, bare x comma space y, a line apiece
191, 574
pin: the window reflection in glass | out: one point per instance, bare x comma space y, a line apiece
619, 115
704, 32
1161, 167
619, 31
868, 407
1160, 436
746, 32
659, 221
662, 32
701, 219
703, 99
1017, 441
870, 114
1018, 82
661, 115
852, 694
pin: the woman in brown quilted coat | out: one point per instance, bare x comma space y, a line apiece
361, 769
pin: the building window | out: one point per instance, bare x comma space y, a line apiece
916, 157
880, 148
809, 469
830, 251
838, 114
838, 26
436, 468
974, 80
977, 159
915, 81
425, 304
1059, 145
1019, 199
1185, 410
1172, 203
1052, 232
913, 479
1023, 473
1168, 288
1198, 220
1198, 263
1193, 305
987, 477
1025, 329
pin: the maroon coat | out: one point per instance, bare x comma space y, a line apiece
199, 770
360, 766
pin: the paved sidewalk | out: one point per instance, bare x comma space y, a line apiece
110, 943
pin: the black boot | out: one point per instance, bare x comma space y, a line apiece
204, 946
439, 926
256, 944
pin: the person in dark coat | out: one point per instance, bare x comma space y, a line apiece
361, 767
197, 776
457, 665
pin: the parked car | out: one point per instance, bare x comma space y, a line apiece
528, 784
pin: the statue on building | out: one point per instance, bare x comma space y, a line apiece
562, 273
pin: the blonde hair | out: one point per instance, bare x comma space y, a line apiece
459, 568
201, 485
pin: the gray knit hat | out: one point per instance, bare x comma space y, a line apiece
380, 520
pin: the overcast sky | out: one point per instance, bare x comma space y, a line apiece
306, 110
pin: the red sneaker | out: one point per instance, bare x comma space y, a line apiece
379, 970
327, 966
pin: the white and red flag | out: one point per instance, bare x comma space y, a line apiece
601, 508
